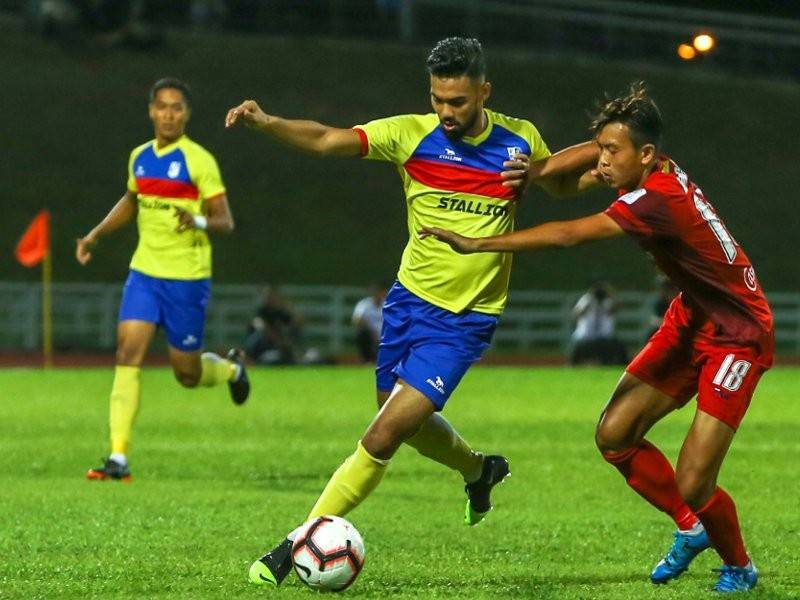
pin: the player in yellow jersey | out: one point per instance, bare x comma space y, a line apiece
463, 165
176, 194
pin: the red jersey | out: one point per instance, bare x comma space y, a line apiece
672, 220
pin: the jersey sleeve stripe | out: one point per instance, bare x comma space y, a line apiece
362, 136
452, 178
155, 186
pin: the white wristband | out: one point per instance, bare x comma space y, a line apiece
200, 222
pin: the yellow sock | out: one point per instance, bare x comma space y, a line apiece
123, 407
216, 369
350, 484
438, 441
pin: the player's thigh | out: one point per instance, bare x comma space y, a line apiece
701, 458
727, 381
634, 407
401, 416
186, 366
183, 306
133, 341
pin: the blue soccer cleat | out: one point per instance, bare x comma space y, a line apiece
685, 547
736, 579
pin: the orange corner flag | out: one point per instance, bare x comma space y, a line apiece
35, 242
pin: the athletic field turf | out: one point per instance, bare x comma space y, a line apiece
215, 485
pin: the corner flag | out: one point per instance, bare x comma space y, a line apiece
34, 245
34, 248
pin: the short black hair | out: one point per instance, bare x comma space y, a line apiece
455, 57
172, 83
635, 109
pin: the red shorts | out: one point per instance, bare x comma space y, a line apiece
682, 359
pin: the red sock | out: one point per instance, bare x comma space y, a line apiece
719, 518
651, 475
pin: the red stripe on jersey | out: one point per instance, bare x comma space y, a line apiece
167, 188
362, 135
458, 178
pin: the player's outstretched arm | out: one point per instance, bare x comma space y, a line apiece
309, 136
568, 172
122, 212
555, 233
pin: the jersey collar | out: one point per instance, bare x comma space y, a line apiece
481, 137
168, 148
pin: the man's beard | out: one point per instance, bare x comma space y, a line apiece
461, 130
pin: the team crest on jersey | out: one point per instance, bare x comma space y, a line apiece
174, 169
750, 279
450, 154
513, 151
139, 171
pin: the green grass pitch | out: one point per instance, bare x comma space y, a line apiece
215, 485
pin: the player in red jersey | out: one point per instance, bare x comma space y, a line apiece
716, 340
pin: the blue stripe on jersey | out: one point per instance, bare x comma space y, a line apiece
171, 166
487, 156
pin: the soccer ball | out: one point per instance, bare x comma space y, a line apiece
328, 553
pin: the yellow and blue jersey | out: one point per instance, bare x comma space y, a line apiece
454, 184
182, 174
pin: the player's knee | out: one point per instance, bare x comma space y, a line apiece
127, 355
609, 438
187, 379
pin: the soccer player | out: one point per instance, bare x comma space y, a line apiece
715, 342
176, 194
462, 166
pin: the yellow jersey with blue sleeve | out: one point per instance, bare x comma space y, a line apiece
183, 175
454, 184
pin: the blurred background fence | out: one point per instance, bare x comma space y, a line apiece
77, 106
85, 317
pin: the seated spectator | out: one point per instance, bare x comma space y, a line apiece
274, 334
665, 294
368, 320
594, 340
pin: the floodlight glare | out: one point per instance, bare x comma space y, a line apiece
686, 52
703, 42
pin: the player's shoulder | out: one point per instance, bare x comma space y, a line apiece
408, 122
521, 127
667, 179
194, 150
141, 148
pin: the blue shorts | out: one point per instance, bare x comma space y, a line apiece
177, 305
428, 347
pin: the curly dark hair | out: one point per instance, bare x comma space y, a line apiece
172, 83
637, 110
455, 57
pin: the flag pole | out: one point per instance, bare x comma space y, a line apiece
47, 310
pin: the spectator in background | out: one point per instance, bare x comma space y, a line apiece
666, 291
274, 334
368, 320
594, 340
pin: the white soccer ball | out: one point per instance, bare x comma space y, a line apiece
328, 553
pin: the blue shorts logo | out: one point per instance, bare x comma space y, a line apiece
437, 384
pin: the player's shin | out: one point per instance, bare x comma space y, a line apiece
124, 404
722, 525
215, 369
352, 482
439, 441
651, 476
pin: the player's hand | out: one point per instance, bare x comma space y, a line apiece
248, 112
83, 248
185, 220
459, 243
516, 172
